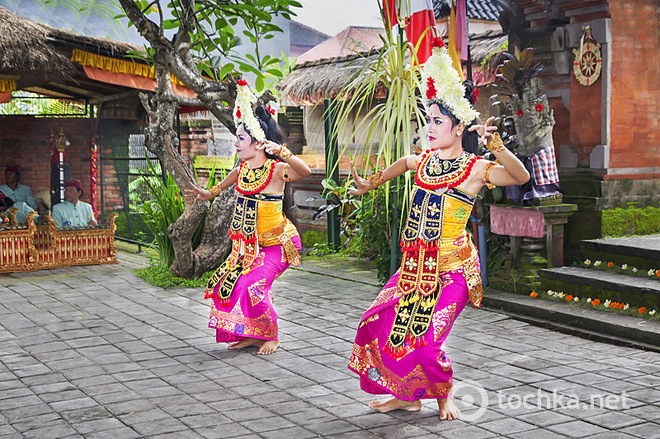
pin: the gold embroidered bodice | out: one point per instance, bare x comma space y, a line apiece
270, 216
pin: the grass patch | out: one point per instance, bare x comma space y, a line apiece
161, 276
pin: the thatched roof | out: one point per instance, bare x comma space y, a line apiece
313, 81
38, 58
484, 44
25, 48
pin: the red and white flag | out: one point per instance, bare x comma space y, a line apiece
420, 23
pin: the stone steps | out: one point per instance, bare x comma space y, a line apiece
642, 252
585, 282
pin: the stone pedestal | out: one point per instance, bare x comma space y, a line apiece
546, 222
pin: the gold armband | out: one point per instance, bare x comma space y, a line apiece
286, 174
376, 179
487, 170
215, 190
495, 143
285, 153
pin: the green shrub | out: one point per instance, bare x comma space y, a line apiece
636, 221
312, 237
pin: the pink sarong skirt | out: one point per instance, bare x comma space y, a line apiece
250, 312
420, 367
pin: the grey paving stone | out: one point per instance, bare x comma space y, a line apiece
24, 423
576, 429
648, 430
614, 420
544, 418
89, 427
507, 426
288, 433
649, 412
227, 431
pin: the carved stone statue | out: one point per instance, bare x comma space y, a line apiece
534, 121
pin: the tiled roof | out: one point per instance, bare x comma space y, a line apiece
479, 9
302, 35
351, 40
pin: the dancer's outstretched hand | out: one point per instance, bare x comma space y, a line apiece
198, 193
363, 185
485, 131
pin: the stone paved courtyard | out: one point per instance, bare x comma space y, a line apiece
96, 352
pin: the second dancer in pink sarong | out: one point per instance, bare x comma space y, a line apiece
399, 348
264, 241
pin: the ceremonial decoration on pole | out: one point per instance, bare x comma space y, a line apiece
93, 159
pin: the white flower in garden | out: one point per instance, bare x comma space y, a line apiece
607, 303
634, 269
597, 263
626, 306
589, 300
652, 312
576, 299
587, 262
651, 272
624, 267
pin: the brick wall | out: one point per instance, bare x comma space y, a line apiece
586, 121
635, 127
23, 141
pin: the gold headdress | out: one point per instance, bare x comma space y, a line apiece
441, 82
243, 112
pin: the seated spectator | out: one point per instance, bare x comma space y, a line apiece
72, 212
14, 190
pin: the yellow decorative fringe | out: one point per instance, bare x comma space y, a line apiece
7, 85
116, 65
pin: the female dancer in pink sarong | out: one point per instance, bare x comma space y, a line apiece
399, 347
264, 241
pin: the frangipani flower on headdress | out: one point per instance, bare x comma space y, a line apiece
441, 82
243, 112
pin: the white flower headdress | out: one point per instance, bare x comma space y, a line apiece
441, 81
243, 112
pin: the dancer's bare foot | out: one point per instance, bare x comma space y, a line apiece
448, 409
268, 347
396, 404
249, 341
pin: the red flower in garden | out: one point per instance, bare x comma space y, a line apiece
610, 264
595, 302
569, 298
539, 107
430, 88
242, 82
534, 294
641, 310
519, 113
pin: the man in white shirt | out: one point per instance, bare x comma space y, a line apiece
14, 190
72, 212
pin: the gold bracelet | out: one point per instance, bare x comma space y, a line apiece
215, 190
495, 143
487, 170
285, 153
376, 179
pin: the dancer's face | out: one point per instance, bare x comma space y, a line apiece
246, 146
439, 131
